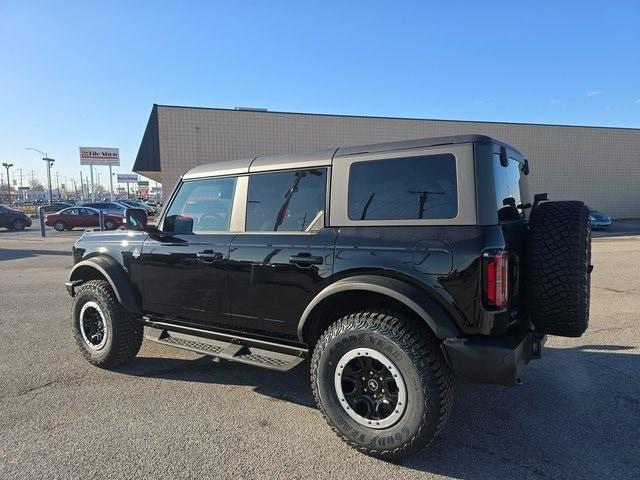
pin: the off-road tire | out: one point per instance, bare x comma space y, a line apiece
417, 355
60, 226
559, 270
124, 330
18, 225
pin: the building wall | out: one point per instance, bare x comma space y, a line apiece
600, 166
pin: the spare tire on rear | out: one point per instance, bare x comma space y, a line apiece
559, 270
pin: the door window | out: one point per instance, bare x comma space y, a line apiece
87, 212
201, 206
403, 188
291, 201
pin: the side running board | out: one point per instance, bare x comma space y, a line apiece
228, 350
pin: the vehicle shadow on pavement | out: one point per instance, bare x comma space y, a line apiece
15, 254
292, 386
576, 416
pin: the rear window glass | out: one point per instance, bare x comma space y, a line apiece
509, 181
290, 201
407, 188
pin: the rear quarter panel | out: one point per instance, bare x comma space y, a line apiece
445, 261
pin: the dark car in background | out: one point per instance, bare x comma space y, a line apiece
56, 207
13, 219
114, 208
82, 217
137, 204
599, 219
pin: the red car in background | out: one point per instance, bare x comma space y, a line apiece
81, 217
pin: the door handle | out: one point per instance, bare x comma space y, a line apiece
305, 260
209, 256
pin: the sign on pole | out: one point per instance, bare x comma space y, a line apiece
143, 183
100, 156
127, 177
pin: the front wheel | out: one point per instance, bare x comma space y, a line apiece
105, 332
382, 383
60, 226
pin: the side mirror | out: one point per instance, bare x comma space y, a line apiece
178, 224
135, 218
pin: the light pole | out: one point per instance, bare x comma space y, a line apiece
49, 163
8, 166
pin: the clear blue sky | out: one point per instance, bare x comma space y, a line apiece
87, 73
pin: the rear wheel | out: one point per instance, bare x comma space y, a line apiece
18, 225
60, 226
381, 382
105, 332
110, 225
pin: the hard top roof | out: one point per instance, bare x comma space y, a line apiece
327, 156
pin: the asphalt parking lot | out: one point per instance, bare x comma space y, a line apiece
173, 414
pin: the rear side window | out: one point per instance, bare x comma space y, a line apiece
291, 201
201, 206
408, 188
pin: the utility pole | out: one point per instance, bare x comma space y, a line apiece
49, 163
110, 184
8, 166
422, 199
81, 187
93, 196
21, 190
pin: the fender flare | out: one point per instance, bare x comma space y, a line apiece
417, 300
114, 273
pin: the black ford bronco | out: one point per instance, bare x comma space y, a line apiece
394, 268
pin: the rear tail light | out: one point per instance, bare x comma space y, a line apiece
495, 285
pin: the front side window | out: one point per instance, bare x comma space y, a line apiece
291, 201
201, 206
408, 188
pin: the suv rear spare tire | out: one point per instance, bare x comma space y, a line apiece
560, 268
382, 383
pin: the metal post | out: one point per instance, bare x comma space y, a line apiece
101, 219
93, 198
110, 184
43, 232
128, 194
81, 187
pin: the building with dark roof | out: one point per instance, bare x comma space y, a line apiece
599, 165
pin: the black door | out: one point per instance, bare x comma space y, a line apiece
184, 267
285, 257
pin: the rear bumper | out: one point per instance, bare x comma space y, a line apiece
500, 360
